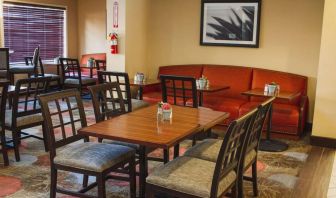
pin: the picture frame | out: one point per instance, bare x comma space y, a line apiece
233, 23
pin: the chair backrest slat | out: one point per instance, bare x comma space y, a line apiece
107, 101
179, 88
4, 59
258, 125
101, 65
3, 98
122, 79
55, 107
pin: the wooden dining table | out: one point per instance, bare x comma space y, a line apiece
269, 144
145, 128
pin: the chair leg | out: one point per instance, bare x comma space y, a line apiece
194, 140
132, 177
255, 179
101, 186
165, 155
53, 182
4, 148
235, 190
149, 192
45, 138
85, 181
16, 144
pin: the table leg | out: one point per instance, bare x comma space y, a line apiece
200, 98
143, 170
140, 93
176, 150
268, 144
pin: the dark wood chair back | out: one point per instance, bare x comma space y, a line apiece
4, 62
107, 101
258, 125
39, 70
55, 106
122, 79
101, 65
71, 69
231, 150
25, 101
182, 89
3, 98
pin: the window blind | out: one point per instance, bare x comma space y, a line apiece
28, 26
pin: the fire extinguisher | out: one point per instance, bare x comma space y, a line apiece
114, 43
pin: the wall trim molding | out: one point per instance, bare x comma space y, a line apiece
322, 141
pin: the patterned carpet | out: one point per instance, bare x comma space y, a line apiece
278, 172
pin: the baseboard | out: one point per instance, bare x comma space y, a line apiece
322, 141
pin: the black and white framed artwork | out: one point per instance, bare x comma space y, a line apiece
231, 23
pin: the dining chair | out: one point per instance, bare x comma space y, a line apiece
4, 89
179, 90
4, 63
209, 148
188, 176
26, 111
182, 91
72, 77
122, 78
36, 61
72, 152
100, 65
21, 69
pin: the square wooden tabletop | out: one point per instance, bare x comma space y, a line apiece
145, 128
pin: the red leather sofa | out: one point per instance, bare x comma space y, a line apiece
85, 58
289, 117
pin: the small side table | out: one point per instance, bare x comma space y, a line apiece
143, 84
209, 89
268, 144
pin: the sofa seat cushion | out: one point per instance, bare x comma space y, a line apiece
85, 81
93, 156
24, 120
230, 105
152, 97
191, 176
209, 149
284, 116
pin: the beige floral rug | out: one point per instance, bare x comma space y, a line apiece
277, 172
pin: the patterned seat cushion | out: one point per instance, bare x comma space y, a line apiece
138, 104
208, 150
24, 120
189, 175
21, 69
85, 81
134, 146
93, 156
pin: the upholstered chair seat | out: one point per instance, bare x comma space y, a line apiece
137, 104
52, 76
74, 81
93, 156
3, 73
134, 146
22, 69
22, 121
189, 175
208, 150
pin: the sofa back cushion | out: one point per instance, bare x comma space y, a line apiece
181, 70
287, 81
97, 56
238, 78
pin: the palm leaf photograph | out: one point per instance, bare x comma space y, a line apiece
230, 23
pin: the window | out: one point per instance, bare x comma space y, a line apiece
28, 26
